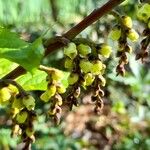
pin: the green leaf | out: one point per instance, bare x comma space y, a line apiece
6, 66
10, 40
16, 50
36, 81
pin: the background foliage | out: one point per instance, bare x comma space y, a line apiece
125, 121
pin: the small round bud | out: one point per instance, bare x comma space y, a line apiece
51, 90
59, 100
96, 67
89, 78
105, 50
101, 93
73, 78
21, 117
5, 95
68, 63
52, 112
70, 51
85, 65
57, 75
17, 103
115, 34
103, 69
16, 130
133, 35
29, 132
44, 97
84, 50
29, 102
127, 21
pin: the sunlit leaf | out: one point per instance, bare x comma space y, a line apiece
6, 66
16, 50
35, 81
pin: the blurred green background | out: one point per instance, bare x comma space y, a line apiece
125, 120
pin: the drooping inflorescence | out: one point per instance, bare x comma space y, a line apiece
85, 62
21, 110
53, 93
122, 32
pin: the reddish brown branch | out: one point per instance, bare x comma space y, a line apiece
54, 44
94, 16
15, 73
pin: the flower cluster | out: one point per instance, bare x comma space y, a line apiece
84, 61
121, 33
22, 112
53, 92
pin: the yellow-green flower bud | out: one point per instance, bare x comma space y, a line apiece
97, 67
127, 21
84, 50
73, 78
21, 117
29, 102
71, 50
115, 33
132, 35
105, 50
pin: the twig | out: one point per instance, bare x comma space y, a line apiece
72, 33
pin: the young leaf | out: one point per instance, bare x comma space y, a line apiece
10, 40
6, 66
35, 81
28, 57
